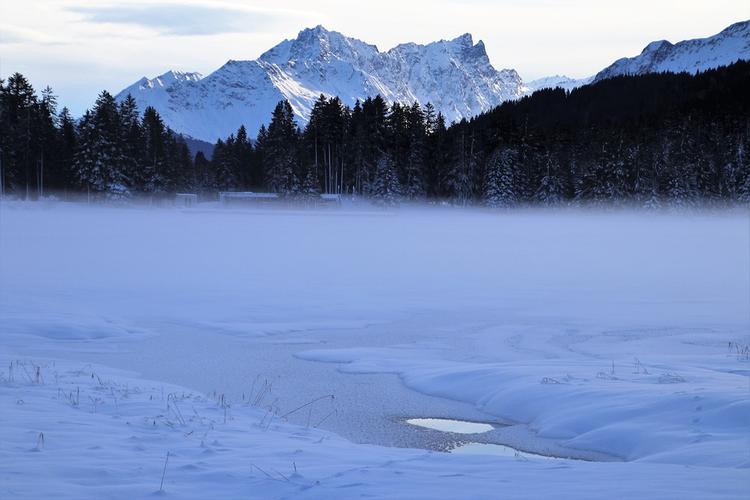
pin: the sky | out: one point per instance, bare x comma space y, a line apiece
82, 47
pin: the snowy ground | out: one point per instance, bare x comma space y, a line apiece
219, 337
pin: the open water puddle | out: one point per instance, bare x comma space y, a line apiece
450, 425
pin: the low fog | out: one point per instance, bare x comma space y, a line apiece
233, 265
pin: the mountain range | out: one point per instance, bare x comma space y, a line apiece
456, 76
691, 56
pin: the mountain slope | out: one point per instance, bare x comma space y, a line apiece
454, 75
700, 54
562, 81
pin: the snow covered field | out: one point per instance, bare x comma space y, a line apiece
279, 355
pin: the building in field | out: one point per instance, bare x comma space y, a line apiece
247, 199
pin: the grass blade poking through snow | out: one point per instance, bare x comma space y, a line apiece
163, 473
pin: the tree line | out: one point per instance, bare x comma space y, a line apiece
112, 151
649, 139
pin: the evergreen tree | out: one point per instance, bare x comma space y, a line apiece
99, 162
414, 176
372, 137
45, 148
154, 173
132, 144
550, 190
224, 165
258, 175
204, 181
310, 190
357, 156
386, 189
243, 152
280, 160
67, 141
498, 189
463, 168
742, 160
437, 160
18, 101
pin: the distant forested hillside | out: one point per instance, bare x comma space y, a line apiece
650, 139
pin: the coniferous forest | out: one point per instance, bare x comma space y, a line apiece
647, 140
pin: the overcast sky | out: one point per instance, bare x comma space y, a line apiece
82, 47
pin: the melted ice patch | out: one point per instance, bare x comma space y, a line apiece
450, 425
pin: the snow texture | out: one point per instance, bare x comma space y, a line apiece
219, 336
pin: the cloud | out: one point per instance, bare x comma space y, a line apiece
10, 34
175, 19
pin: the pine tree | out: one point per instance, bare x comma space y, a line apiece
45, 147
154, 170
414, 175
680, 171
438, 160
386, 189
744, 191
204, 182
430, 118
310, 190
67, 141
178, 168
372, 138
132, 144
463, 168
550, 190
357, 148
735, 166
280, 151
18, 103
224, 165
99, 162
258, 175
498, 191
742, 160
243, 152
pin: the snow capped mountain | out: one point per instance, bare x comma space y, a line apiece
456, 76
699, 54
158, 86
562, 81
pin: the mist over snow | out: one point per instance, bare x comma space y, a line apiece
591, 263
616, 337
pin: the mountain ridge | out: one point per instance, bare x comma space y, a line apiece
697, 54
455, 75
